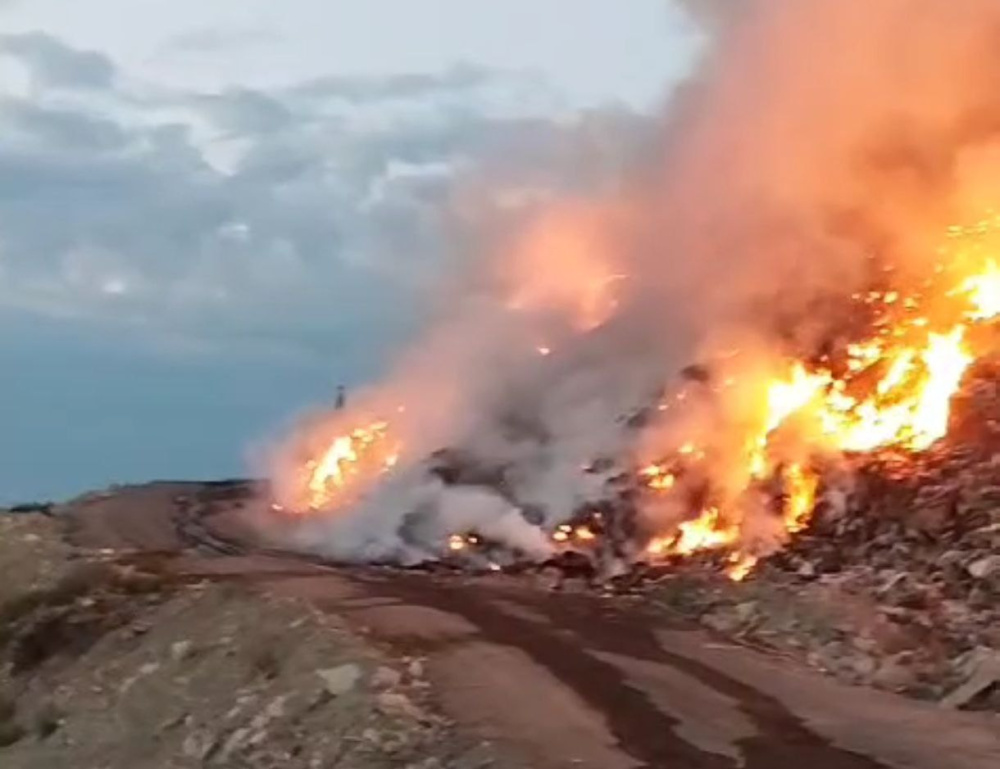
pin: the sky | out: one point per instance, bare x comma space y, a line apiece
214, 211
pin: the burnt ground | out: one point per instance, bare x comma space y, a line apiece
444, 669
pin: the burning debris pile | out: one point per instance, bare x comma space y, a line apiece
918, 540
740, 481
838, 284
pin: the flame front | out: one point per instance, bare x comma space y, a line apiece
891, 390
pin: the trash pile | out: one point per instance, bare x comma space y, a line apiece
898, 585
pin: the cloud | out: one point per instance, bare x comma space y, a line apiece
56, 65
311, 218
245, 110
457, 79
212, 40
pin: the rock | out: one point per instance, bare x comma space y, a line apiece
982, 669
932, 519
199, 745
258, 738
863, 666
234, 742
275, 709
180, 650
416, 669
341, 679
746, 611
386, 678
984, 568
895, 674
722, 619
397, 704
146, 669
138, 628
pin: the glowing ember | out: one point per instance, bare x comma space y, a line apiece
562, 533
584, 534
658, 477
740, 566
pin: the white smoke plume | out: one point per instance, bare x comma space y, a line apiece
815, 135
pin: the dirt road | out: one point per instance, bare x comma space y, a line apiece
564, 679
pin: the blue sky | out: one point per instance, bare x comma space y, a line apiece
211, 212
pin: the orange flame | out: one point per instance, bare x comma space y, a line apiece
364, 451
895, 392
801, 495
983, 292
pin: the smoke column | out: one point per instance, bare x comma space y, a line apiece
815, 137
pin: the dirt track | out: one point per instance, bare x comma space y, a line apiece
564, 680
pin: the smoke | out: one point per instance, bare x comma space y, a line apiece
817, 142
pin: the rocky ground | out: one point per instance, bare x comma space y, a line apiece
112, 660
146, 626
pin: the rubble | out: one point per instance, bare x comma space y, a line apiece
899, 588
893, 582
340, 680
983, 667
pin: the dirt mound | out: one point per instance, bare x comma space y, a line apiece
118, 659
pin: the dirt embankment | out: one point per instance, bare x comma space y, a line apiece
115, 660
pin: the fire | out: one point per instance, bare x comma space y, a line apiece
658, 477
706, 532
983, 292
740, 566
908, 407
364, 451
584, 534
800, 496
562, 533
891, 390
888, 389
